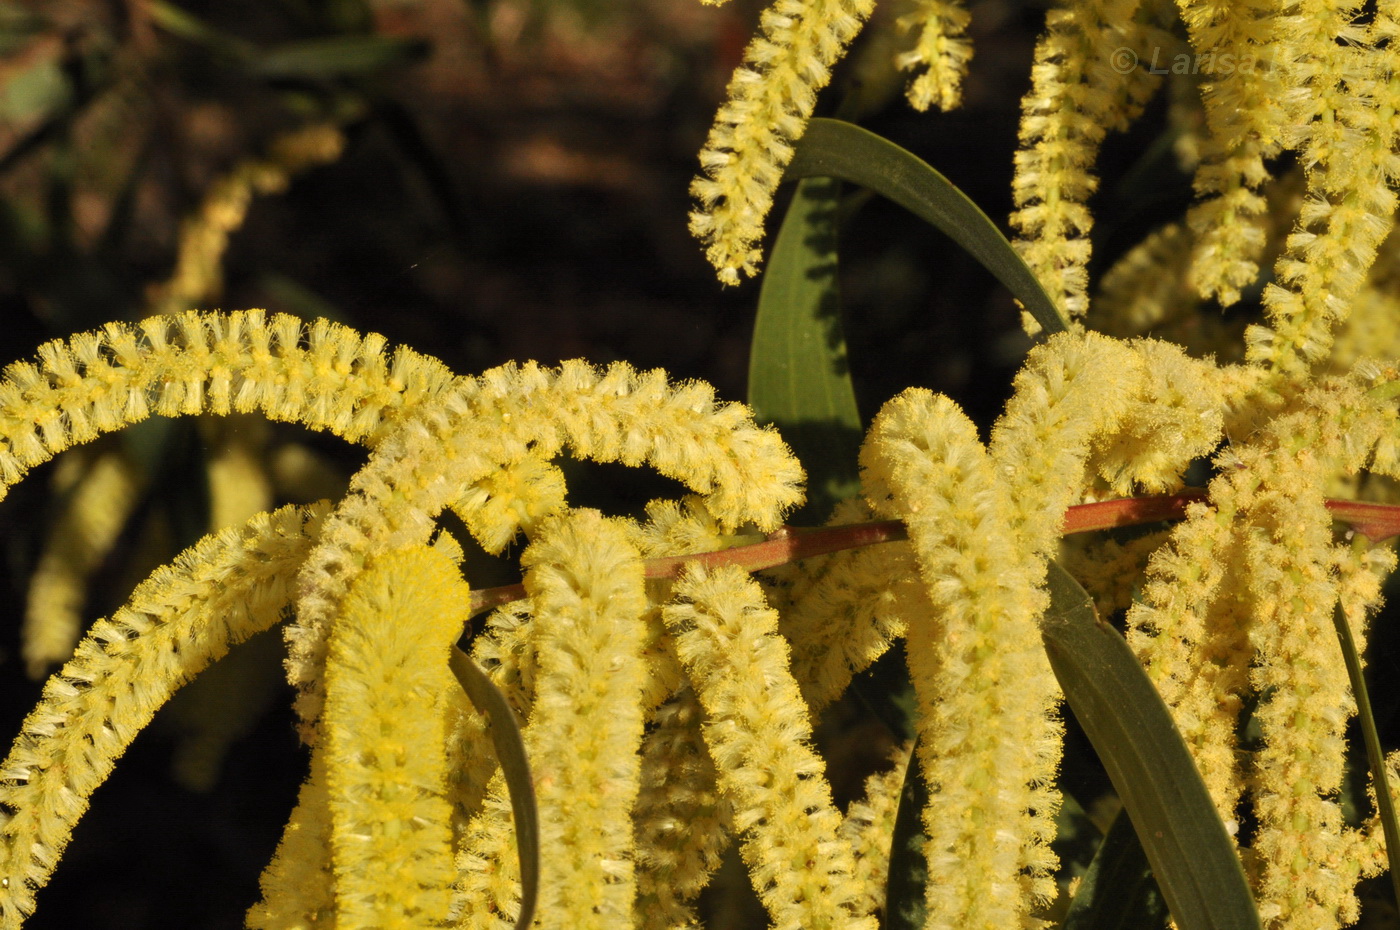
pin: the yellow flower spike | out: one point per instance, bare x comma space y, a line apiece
583, 736
1146, 288
846, 619
758, 732
511, 501
103, 494
940, 53
185, 616
771, 97
1191, 633
682, 820
986, 694
1174, 419
198, 275
868, 826
297, 886
322, 375
1243, 93
1071, 389
1345, 87
743, 472
1079, 90
387, 684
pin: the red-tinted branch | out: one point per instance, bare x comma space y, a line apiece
791, 544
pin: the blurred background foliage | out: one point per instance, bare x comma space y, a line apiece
483, 180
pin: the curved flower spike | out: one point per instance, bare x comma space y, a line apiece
387, 687
321, 374
744, 473
986, 694
771, 97
758, 732
219, 592
584, 734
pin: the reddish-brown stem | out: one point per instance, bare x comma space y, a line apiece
790, 544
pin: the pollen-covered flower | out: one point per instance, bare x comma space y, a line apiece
771, 97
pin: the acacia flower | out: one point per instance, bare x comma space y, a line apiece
758, 732
771, 97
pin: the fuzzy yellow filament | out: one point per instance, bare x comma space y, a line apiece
1243, 94
387, 683
771, 97
104, 491
989, 740
617, 415
869, 824
187, 615
682, 821
583, 736
939, 55
321, 374
1344, 92
758, 732
1080, 89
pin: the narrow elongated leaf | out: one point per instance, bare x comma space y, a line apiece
1191, 855
510, 751
835, 149
908, 873
336, 56
798, 376
1385, 805
1118, 892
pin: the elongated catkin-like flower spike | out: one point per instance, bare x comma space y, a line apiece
185, 616
1072, 388
1079, 90
588, 597
322, 375
758, 732
387, 681
989, 740
847, 618
102, 496
1344, 92
1243, 94
869, 824
204, 235
771, 97
940, 54
297, 886
744, 473
682, 820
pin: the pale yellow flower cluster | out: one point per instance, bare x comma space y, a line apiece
771, 97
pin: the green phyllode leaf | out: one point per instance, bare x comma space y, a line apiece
510, 751
1375, 755
905, 906
1118, 892
1192, 857
798, 375
835, 149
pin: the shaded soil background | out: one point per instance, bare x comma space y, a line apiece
513, 185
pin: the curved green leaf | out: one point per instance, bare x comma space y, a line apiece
1192, 856
907, 878
798, 376
1385, 804
835, 149
336, 56
1118, 892
510, 752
